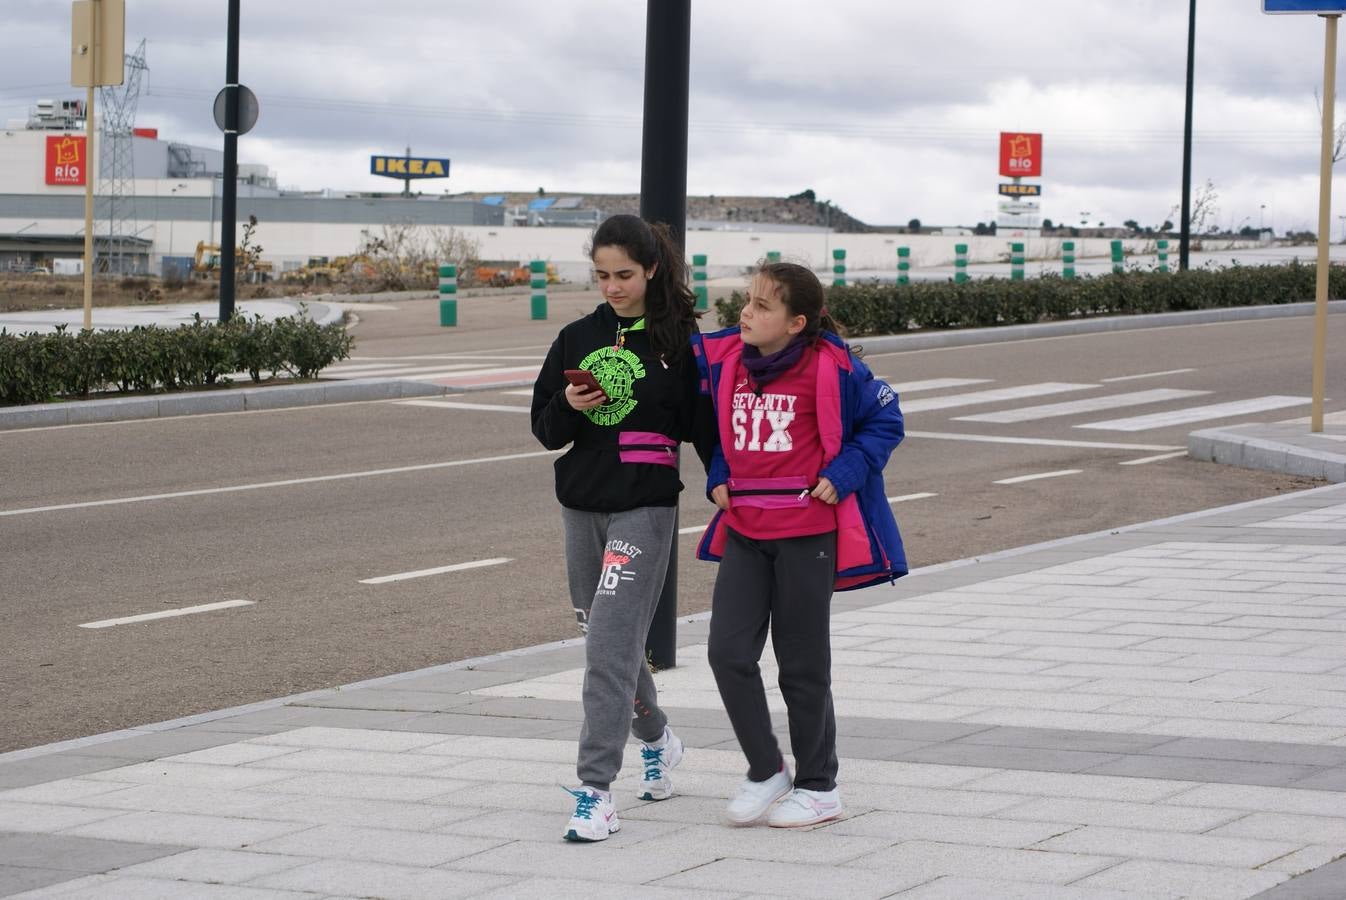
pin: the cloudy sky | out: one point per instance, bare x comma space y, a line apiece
890, 109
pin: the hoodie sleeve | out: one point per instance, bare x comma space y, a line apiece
696, 412
876, 429
555, 422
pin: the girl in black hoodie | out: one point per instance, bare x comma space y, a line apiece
618, 486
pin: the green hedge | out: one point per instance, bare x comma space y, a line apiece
38, 368
877, 308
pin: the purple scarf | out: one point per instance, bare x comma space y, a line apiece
762, 370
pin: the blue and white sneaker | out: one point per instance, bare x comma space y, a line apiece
657, 759
595, 817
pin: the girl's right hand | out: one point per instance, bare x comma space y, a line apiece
581, 399
719, 495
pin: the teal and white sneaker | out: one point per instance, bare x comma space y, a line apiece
658, 759
595, 817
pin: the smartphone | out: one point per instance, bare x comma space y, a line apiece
585, 379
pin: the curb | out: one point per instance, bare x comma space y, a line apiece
84, 412
1272, 448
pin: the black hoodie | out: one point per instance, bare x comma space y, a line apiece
645, 395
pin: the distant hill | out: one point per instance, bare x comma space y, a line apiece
800, 209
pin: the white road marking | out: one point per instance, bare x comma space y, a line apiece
527, 392
1022, 478
168, 613
1198, 413
1146, 375
933, 384
1073, 407
440, 570
992, 396
450, 404
289, 482
693, 529
401, 370
1149, 459
1034, 442
498, 370
342, 368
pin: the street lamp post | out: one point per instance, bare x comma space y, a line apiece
171, 192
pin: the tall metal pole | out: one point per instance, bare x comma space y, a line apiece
229, 207
663, 198
1186, 237
90, 169
1324, 223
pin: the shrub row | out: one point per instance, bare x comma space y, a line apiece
878, 308
37, 368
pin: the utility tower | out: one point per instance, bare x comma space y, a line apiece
116, 200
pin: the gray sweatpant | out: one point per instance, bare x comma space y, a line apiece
615, 564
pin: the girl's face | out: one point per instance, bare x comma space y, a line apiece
621, 280
765, 321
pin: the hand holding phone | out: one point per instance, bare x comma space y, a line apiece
587, 383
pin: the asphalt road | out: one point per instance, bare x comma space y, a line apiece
294, 510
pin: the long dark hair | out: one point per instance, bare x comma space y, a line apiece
670, 305
802, 293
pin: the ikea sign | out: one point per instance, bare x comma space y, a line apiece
408, 167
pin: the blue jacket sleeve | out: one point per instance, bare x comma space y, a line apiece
876, 429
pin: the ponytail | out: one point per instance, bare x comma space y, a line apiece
670, 305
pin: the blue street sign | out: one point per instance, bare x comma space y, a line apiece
1318, 7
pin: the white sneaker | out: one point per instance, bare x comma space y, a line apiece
595, 817
657, 760
754, 798
804, 807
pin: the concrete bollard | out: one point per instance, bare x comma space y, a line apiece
1067, 260
1163, 254
537, 270
1017, 261
838, 268
960, 263
448, 296
1116, 257
699, 281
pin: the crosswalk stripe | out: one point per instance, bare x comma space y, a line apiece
1146, 375
1015, 393
1198, 413
398, 371
478, 376
934, 384
481, 407
1072, 407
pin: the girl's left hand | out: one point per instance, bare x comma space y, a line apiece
825, 492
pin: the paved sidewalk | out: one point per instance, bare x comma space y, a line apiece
1158, 711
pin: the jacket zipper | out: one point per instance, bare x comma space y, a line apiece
662, 447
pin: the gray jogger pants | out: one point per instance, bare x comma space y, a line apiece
615, 563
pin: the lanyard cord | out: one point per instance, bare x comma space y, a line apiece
638, 325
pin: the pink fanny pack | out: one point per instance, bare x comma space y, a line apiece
788, 492
647, 447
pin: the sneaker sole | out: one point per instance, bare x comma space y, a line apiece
830, 817
576, 837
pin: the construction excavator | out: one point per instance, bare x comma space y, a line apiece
206, 264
